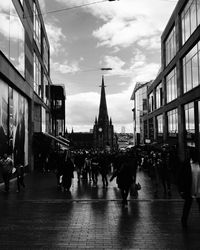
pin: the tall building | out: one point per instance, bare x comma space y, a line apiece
174, 96
24, 79
139, 98
103, 131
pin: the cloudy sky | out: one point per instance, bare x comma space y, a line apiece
124, 35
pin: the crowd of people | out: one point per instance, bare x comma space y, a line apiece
162, 166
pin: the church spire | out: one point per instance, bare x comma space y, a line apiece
103, 113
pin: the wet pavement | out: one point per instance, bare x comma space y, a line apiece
90, 217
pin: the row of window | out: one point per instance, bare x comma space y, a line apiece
172, 120
41, 84
191, 79
41, 42
190, 20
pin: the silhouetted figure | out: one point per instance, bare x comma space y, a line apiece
124, 176
6, 164
95, 169
189, 184
68, 173
20, 177
103, 167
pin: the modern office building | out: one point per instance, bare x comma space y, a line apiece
24, 78
139, 98
174, 96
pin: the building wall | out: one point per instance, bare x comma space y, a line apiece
18, 117
180, 107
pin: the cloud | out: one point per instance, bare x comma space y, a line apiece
153, 42
65, 67
137, 69
11, 27
127, 25
42, 5
83, 101
55, 36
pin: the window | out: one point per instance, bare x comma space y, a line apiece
37, 27
12, 35
171, 86
189, 118
191, 68
46, 90
190, 19
170, 46
159, 124
151, 102
159, 96
57, 104
172, 119
43, 120
45, 54
37, 76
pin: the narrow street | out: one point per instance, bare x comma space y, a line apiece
41, 217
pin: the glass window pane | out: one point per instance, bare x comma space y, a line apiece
195, 71
193, 14
12, 35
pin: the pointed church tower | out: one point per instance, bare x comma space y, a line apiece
103, 129
103, 112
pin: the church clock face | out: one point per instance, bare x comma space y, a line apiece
100, 130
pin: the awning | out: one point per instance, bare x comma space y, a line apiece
63, 139
65, 144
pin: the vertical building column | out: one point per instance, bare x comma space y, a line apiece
30, 134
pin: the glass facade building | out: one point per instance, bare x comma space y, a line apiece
24, 79
174, 96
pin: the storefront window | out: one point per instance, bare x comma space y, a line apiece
191, 68
12, 35
189, 118
13, 124
159, 124
43, 120
171, 85
172, 118
190, 19
170, 46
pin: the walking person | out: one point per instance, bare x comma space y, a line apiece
189, 185
95, 169
124, 176
6, 164
20, 177
68, 172
166, 165
103, 169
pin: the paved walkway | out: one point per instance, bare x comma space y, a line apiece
41, 217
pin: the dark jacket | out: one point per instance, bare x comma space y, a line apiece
185, 179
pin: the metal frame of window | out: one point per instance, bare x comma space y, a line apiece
191, 69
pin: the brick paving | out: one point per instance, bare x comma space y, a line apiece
41, 217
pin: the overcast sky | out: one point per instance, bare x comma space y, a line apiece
124, 35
